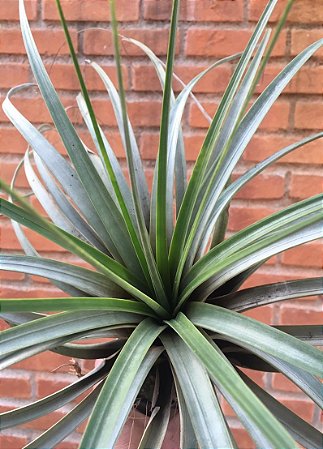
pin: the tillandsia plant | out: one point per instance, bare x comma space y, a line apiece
163, 292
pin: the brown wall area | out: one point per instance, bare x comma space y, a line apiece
208, 30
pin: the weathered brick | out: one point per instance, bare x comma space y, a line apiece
83, 10
263, 314
222, 43
304, 186
262, 146
303, 11
100, 42
49, 41
303, 408
264, 186
9, 10
11, 141
12, 74
309, 115
17, 386
302, 38
309, 255
300, 315
240, 217
204, 10
276, 118
12, 441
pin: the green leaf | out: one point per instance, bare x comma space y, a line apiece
61, 325
88, 281
108, 211
106, 265
250, 298
205, 413
161, 206
74, 304
267, 431
187, 434
312, 334
256, 335
66, 425
305, 434
54, 401
121, 387
191, 194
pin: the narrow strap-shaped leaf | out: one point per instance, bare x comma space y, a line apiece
304, 433
66, 207
60, 325
91, 351
155, 431
91, 282
66, 425
144, 252
267, 430
187, 434
267, 294
74, 304
247, 127
54, 401
121, 387
235, 186
31, 251
205, 412
119, 176
59, 167
191, 194
312, 334
161, 206
109, 213
116, 272
211, 189
258, 335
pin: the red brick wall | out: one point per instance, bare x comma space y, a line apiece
209, 29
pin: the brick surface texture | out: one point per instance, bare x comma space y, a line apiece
209, 29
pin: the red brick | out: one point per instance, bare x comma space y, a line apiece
303, 11
302, 408
34, 109
296, 315
9, 10
11, 141
11, 276
12, 74
309, 255
64, 77
68, 445
48, 384
276, 118
18, 291
11, 441
222, 43
48, 41
308, 80
83, 10
44, 422
262, 147
281, 383
309, 115
262, 278
242, 438
44, 362
300, 39
304, 186
7, 171
99, 42
18, 387
204, 10
145, 78
263, 314
264, 186
141, 113
240, 217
